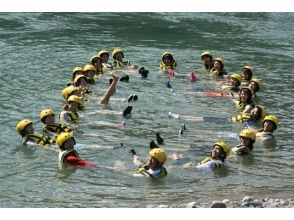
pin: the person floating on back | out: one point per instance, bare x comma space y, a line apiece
247, 139
269, 125
154, 167
26, 130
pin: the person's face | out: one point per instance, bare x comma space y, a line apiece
246, 74
29, 129
206, 59
73, 106
217, 65
268, 126
97, 62
253, 86
152, 163
69, 144
82, 82
104, 58
50, 119
244, 96
118, 56
216, 151
234, 82
245, 141
166, 61
90, 73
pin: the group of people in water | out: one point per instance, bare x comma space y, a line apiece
242, 86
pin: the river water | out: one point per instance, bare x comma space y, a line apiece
38, 53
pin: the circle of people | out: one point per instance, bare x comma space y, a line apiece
240, 86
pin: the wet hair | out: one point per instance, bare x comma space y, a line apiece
259, 113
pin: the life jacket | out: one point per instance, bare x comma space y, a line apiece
208, 67
218, 73
74, 116
207, 162
66, 153
99, 70
240, 118
163, 66
241, 150
241, 106
56, 128
121, 64
264, 134
144, 171
38, 139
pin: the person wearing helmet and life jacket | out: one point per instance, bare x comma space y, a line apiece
207, 60
245, 103
252, 119
81, 82
71, 90
234, 84
68, 154
254, 85
154, 167
220, 151
26, 130
96, 61
76, 71
118, 62
104, 55
70, 113
218, 67
246, 74
167, 61
269, 125
47, 117
89, 73
247, 139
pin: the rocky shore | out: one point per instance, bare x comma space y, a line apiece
246, 202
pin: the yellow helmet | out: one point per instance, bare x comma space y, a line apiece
67, 91
237, 77
206, 53
88, 67
63, 137
75, 98
224, 146
45, 113
78, 68
78, 77
271, 118
220, 60
257, 81
248, 133
159, 154
248, 68
102, 52
22, 124
118, 50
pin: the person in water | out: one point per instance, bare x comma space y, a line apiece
104, 55
89, 72
47, 117
70, 112
118, 62
71, 90
96, 61
218, 67
245, 103
167, 61
67, 153
219, 153
269, 125
247, 139
254, 85
154, 167
26, 130
76, 71
234, 84
207, 60
246, 74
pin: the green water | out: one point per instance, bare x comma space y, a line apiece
38, 53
